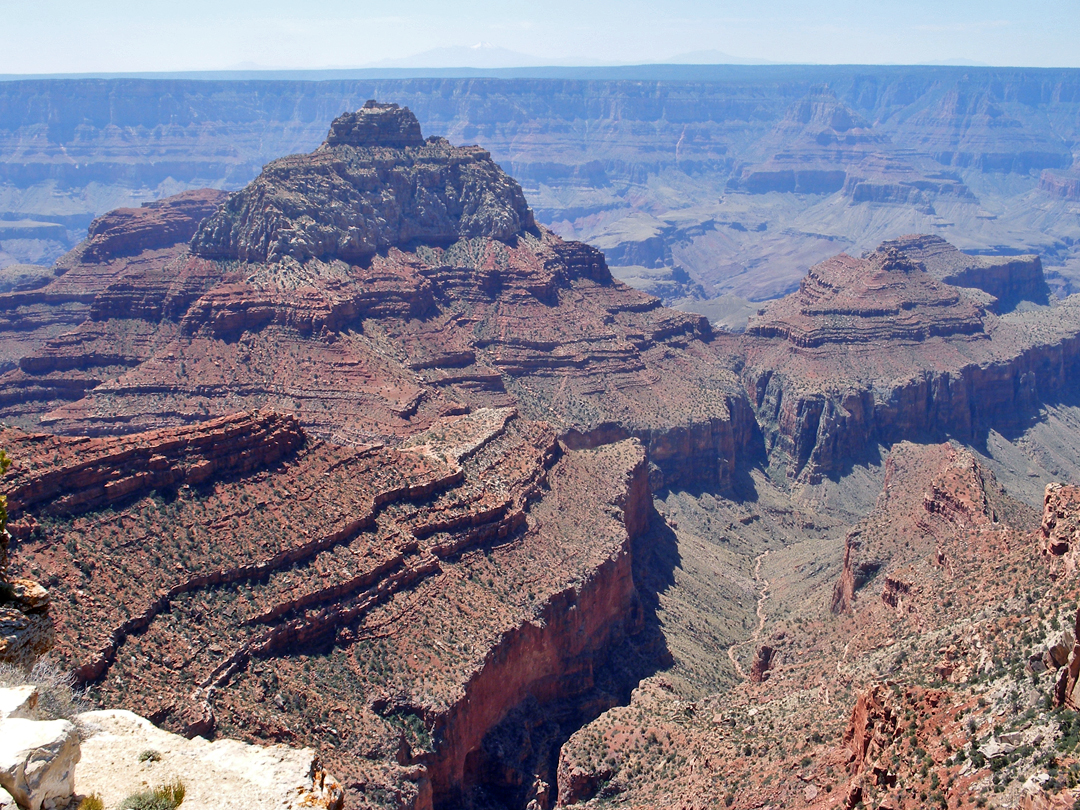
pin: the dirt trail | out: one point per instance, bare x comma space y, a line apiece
763, 594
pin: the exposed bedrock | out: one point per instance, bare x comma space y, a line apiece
100, 472
1010, 279
373, 184
373, 534
939, 511
550, 660
877, 350
706, 453
821, 432
153, 225
1066, 186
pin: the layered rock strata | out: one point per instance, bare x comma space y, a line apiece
882, 298
870, 706
1010, 279
876, 350
224, 607
63, 476
26, 624
431, 555
821, 146
153, 225
939, 514
451, 298
375, 183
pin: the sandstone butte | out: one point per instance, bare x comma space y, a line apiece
361, 458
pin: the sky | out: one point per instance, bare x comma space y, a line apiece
65, 36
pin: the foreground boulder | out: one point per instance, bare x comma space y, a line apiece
37, 762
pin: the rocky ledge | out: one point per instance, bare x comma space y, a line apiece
124, 754
113, 755
153, 225
384, 283
1011, 280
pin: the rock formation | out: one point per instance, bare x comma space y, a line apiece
882, 298
153, 225
1060, 528
1010, 279
374, 184
368, 464
822, 146
927, 141
483, 519
875, 350
114, 755
220, 774
939, 514
37, 762
1065, 186
478, 307
26, 626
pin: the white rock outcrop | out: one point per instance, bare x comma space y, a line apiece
18, 702
220, 775
37, 761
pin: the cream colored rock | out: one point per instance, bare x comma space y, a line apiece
24, 637
219, 775
18, 702
7, 801
37, 761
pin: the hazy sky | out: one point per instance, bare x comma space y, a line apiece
54, 36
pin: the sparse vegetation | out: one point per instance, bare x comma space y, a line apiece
58, 699
165, 797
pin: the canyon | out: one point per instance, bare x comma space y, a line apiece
740, 178
366, 458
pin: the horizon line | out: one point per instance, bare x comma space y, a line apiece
439, 72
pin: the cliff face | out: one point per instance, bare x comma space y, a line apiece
418, 553
98, 472
1059, 532
369, 287
821, 146
154, 225
877, 350
553, 658
939, 515
1064, 186
1010, 279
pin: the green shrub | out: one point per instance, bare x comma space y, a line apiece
92, 802
149, 755
166, 797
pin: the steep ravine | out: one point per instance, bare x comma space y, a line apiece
551, 660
